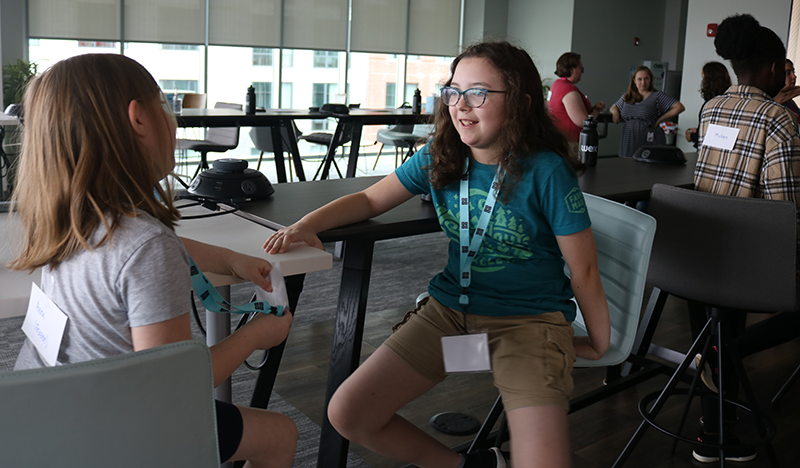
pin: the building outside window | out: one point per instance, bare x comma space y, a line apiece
179, 47
287, 58
263, 95
286, 96
262, 57
105, 45
391, 95
410, 88
183, 86
326, 59
322, 93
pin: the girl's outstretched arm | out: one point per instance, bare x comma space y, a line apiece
580, 253
215, 259
375, 200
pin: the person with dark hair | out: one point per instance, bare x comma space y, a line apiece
568, 106
763, 162
642, 108
790, 91
508, 198
715, 80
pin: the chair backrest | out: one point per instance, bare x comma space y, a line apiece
624, 237
347, 133
262, 137
150, 408
724, 251
194, 101
224, 136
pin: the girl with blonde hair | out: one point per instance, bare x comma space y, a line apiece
95, 218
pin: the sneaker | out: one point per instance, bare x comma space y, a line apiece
706, 454
483, 458
707, 376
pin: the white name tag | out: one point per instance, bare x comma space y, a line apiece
720, 137
466, 353
44, 325
278, 296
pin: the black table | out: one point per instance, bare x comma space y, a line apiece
616, 178
277, 118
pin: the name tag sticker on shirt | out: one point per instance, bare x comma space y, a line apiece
466, 353
44, 325
720, 137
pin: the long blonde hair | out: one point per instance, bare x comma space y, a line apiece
82, 165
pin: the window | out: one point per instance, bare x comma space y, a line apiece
326, 59
286, 95
105, 45
410, 88
179, 47
262, 57
391, 94
322, 93
287, 58
263, 95
183, 86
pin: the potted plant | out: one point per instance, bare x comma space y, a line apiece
16, 77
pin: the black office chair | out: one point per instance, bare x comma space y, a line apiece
731, 254
326, 139
218, 140
262, 139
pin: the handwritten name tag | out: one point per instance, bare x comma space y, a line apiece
44, 325
720, 137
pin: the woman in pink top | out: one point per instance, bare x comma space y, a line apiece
568, 106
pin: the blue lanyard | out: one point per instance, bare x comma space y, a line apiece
470, 248
212, 300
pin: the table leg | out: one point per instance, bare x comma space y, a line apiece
298, 161
218, 327
267, 374
277, 151
346, 347
355, 144
326, 167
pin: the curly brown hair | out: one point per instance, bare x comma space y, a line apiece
716, 80
527, 128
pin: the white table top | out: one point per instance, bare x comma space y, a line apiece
246, 237
6, 119
228, 231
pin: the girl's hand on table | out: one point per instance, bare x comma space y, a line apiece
281, 240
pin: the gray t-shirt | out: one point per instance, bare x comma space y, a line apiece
140, 278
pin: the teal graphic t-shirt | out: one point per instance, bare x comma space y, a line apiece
518, 269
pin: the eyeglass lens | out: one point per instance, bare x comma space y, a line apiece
474, 97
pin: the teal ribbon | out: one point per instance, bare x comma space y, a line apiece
212, 300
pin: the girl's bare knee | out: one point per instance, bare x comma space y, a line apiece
344, 416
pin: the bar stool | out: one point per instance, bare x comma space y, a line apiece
731, 254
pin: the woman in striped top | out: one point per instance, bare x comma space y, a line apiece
642, 108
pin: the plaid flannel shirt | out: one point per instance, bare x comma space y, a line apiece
765, 160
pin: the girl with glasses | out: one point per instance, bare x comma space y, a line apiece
507, 196
97, 221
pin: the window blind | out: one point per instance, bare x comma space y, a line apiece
165, 21
254, 23
74, 19
315, 24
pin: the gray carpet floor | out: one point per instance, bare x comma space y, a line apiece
401, 271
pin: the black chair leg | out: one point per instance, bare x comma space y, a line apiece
665, 393
785, 388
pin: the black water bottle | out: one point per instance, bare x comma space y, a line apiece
587, 151
416, 106
251, 100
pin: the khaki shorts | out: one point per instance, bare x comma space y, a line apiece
531, 355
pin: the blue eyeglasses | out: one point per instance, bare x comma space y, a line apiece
474, 97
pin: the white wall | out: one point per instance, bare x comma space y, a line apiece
603, 33
543, 28
773, 14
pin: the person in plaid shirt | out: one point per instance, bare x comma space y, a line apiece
764, 162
